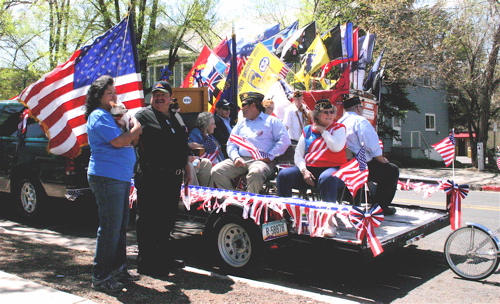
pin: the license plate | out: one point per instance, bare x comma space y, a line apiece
274, 230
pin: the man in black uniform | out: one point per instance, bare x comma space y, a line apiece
163, 153
223, 122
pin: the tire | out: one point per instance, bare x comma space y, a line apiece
236, 245
29, 198
471, 253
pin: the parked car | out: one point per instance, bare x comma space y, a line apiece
30, 172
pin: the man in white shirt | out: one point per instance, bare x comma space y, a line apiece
359, 132
296, 116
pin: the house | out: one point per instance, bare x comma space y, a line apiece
418, 131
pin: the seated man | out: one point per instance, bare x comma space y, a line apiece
360, 132
255, 141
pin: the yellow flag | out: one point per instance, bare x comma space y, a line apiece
261, 71
315, 57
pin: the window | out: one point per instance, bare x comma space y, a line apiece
430, 122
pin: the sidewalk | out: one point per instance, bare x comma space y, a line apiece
477, 180
15, 290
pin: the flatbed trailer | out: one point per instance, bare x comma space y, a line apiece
238, 243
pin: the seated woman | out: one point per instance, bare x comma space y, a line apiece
319, 153
202, 137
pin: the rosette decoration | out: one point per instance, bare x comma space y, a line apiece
366, 223
455, 195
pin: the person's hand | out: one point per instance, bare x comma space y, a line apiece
319, 128
136, 126
308, 177
239, 162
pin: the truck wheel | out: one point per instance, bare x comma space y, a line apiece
237, 245
29, 197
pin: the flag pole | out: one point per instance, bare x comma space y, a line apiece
454, 153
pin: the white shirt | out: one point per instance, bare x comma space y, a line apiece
292, 119
360, 132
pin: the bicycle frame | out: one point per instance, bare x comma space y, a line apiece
492, 234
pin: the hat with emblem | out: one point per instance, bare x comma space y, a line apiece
223, 103
162, 86
253, 96
351, 102
323, 104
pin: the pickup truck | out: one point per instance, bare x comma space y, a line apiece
30, 172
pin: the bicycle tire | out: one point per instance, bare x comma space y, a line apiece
467, 263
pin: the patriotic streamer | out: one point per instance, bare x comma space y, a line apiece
365, 223
245, 144
456, 193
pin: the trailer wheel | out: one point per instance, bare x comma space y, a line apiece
237, 245
29, 198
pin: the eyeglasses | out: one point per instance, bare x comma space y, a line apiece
328, 112
226, 108
246, 104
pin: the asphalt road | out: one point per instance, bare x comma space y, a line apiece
415, 274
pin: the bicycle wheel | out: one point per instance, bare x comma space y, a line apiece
471, 253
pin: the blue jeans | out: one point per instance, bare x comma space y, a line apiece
112, 198
291, 178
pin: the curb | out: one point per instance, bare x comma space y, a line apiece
491, 188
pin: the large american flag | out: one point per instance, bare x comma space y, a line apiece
446, 148
355, 173
57, 100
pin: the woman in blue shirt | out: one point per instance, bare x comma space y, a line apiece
110, 171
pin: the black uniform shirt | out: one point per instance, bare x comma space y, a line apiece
163, 142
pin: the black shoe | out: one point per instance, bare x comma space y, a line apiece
177, 264
109, 285
389, 211
125, 276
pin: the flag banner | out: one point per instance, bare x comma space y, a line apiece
354, 173
57, 100
446, 148
455, 195
261, 71
277, 92
249, 37
273, 43
370, 80
222, 50
193, 78
313, 59
297, 44
229, 86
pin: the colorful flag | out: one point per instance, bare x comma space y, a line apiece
313, 59
211, 149
222, 50
297, 43
57, 100
370, 80
229, 88
275, 41
339, 43
367, 44
261, 71
193, 78
249, 37
354, 173
446, 148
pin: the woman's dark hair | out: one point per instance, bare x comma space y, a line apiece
95, 92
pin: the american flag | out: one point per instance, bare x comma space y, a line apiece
211, 149
57, 100
245, 144
354, 173
446, 148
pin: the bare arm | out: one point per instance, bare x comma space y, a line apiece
128, 138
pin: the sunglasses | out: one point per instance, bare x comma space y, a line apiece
246, 104
328, 112
226, 108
